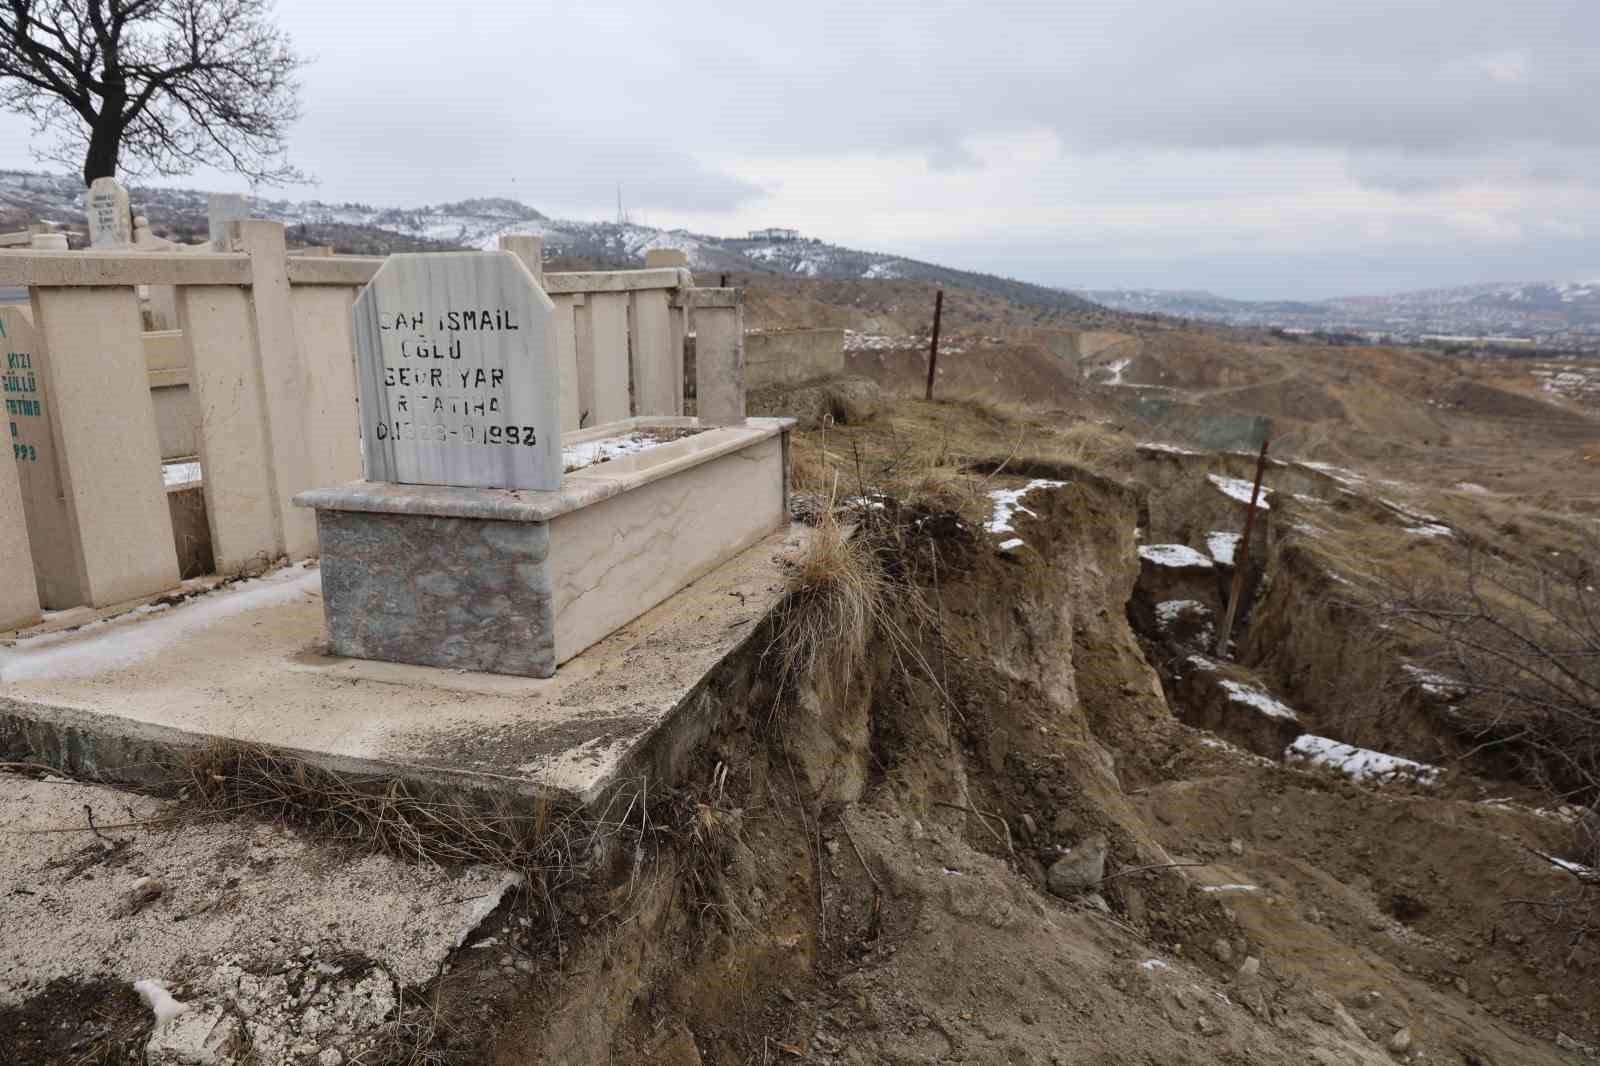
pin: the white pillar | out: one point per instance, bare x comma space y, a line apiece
282, 370
719, 355
19, 589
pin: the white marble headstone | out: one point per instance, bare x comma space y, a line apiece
110, 224
222, 208
456, 369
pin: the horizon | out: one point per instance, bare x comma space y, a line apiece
287, 193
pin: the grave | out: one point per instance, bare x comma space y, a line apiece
475, 543
110, 223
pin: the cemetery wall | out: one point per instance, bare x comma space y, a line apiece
792, 356
260, 382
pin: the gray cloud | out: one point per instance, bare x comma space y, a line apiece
1032, 138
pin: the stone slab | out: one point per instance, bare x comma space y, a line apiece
458, 593
581, 488
103, 427
456, 367
634, 549
249, 662
231, 889
51, 535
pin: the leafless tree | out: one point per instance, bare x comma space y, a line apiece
1517, 653
152, 86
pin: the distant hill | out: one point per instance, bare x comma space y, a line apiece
1551, 314
1561, 314
365, 228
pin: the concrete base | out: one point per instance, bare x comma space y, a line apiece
249, 663
515, 582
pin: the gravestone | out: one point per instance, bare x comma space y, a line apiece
28, 432
110, 223
222, 208
456, 369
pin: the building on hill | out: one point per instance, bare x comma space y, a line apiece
775, 233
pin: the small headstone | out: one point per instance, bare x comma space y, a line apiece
48, 242
222, 208
110, 224
456, 368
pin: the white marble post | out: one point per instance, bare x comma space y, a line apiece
719, 356
529, 249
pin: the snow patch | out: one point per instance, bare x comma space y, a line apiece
1347, 478
590, 452
1222, 546
1166, 449
1229, 888
1168, 611
1239, 692
179, 473
159, 1000
1359, 764
1175, 555
1008, 504
1434, 684
1240, 489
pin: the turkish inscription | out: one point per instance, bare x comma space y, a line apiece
456, 362
20, 386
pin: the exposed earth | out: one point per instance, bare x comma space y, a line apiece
1029, 817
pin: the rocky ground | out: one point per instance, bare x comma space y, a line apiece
246, 938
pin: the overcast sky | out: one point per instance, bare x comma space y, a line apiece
1256, 148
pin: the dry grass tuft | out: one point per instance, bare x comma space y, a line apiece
1095, 447
834, 596
551, 847
391, 816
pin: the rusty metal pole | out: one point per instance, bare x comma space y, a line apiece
933, 348
1241, 558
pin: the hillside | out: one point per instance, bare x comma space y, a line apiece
1548, 315
27, 197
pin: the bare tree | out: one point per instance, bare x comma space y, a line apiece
1517, 651
152, 86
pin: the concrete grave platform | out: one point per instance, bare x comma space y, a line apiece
515, 582
248, 662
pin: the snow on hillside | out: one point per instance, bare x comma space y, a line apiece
27, 197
